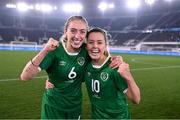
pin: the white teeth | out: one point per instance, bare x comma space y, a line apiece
76, 41
95, 51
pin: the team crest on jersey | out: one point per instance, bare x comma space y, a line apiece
81, 61
104, 76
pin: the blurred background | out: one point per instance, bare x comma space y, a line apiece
133, 24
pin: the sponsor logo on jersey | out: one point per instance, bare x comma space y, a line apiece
96, 96
104, 76
69, 81
62, 63
81, 61
88, 73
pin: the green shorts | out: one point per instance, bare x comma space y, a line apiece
97, 113
48, 112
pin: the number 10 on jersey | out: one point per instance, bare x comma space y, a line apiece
95, 86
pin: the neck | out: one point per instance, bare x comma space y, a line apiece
99, 61
70, 49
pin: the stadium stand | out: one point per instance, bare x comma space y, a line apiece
128, 30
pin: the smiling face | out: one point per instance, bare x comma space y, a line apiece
75, 34
96, 46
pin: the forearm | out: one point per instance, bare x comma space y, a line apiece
39, 57
31, 68
29, 71
133, 91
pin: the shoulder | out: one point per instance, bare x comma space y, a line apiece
84, 51
83, 45
59, 48
114, 72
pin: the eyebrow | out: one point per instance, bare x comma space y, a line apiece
93, 40
77, 29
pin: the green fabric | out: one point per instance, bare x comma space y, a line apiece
48, 112
65, 71
105, 87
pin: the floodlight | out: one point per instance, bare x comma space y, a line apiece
55, 7
150, 2
133, 4
22, 6
103, 6
111, 5
10, 5
44, 7
73, 7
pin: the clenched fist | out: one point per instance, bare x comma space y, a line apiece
51, 45
124, 71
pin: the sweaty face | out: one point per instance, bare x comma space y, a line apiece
75, 33
96, 46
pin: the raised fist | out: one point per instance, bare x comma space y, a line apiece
51, 45
124, 70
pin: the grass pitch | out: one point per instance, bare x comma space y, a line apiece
157, 76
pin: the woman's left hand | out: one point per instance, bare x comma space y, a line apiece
124, 71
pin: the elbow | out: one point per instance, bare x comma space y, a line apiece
134, 97
137, 100
24, 78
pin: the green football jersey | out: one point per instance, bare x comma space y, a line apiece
106, 90
65, 70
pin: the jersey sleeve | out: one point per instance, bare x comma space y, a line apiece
120, 82
47, 61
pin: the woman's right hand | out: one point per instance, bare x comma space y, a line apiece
51, 45
48, 84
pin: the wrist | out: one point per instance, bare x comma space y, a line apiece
34, 63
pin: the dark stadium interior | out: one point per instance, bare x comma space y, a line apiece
160, 22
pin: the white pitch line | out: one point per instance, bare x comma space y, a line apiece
15, 79
145, 63
135, 69
154, 68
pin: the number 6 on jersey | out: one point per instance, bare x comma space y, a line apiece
72, 74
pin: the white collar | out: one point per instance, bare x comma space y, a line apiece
69, 53
99, 66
